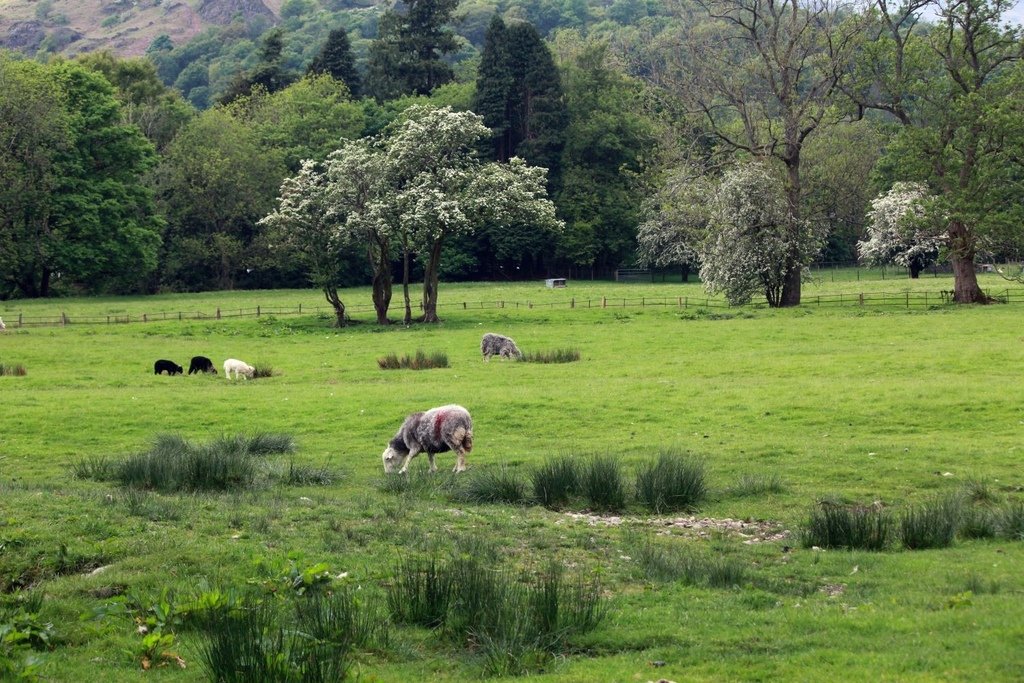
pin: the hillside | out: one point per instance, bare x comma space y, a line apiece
126, 27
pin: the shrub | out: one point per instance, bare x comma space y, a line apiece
840, 526
602, 483
499, 484
555, 481
674, 482
931, 525
261, 370
15, 370
421, 361
555, 356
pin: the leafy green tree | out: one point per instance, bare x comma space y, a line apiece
146, 102
335, 59
676, 220
86, 215
408, 55
215, 181
955, 87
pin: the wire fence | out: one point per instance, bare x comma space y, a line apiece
905, 299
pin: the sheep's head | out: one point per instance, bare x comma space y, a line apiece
393, 460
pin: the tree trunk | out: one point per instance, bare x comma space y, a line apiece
405, 284
916, 266
331, 294
790, 295
381, 266
961, 255
430, 282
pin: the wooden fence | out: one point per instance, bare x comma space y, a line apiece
873, 299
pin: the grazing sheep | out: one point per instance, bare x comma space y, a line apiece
170, 367
201, 364
239, 368
448, 428
497, 345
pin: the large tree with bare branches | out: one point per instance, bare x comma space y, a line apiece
956, 86
764, 75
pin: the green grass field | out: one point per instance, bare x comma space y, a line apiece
864, 405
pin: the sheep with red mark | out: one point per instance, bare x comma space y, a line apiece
447, 428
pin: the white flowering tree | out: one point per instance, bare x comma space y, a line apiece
303, 222
898, 230
753, 238
676, 221
440, 188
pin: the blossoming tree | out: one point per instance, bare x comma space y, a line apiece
898, 231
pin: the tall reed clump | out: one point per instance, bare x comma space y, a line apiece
840, 526
258, 640
932, 524
553, 356
555, 481
420, 361
261, 370
665, 564
516, 623
175, 464
673, 482
13, 370
602, 483
1010, 521
500, 484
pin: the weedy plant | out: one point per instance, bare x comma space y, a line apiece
842, 526
420, 361
603, 484
673, 482
553, 356
932, 524
419, 483
555, 481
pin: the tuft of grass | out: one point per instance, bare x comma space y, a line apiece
555, 481
419, 483
673, 482
500, 484
749, 485
421, 593
13, 370
420, 361
261, 370
932, 524
663, 564
979, 522
266, 443
603, 484
304, 475
553, 356
978, 585
977, 490
1010, 521
149, 506
97, 468
843, 526
339, 620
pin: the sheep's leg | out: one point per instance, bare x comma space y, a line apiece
413, 452
430, 456
460, 460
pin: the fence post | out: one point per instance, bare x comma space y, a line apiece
572, 303
218, 313
144, 318
908, 299
300, 309
860, 299
20, 322
463, 305
179, 316
604, 302
63, 318
257, 311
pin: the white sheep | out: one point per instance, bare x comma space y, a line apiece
2, 326
239, 367
447, 428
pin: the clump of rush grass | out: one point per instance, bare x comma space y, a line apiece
979, 491
261, 370
500, 484
97, 468
749, 485
553, 356
932, 524
657, 562
420, 361
12, 370
419, 483
258, 640
1010, 521
673, 482
305, 475
602, 483
175, 464
421, 592
845, 526
555, 481
979, 522
978, 585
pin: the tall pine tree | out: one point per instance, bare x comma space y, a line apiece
407, 57
335, 59
519, 94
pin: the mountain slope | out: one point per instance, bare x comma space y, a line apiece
127, 27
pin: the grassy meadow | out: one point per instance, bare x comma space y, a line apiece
861, 408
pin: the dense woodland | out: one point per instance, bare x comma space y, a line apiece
745, 139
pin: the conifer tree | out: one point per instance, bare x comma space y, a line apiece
335, 59
407, 57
